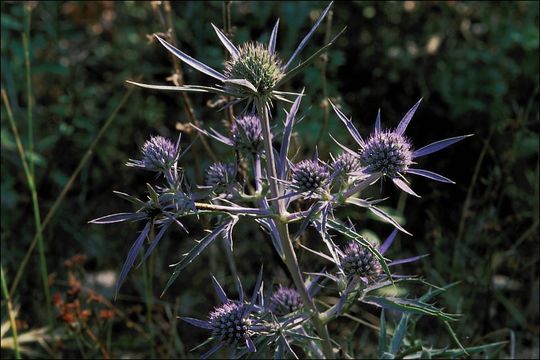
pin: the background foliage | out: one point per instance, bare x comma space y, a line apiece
474, 63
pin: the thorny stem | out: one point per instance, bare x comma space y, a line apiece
289, 256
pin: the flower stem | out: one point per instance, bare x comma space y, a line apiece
288, 251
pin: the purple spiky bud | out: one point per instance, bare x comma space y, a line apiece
309, 175
386, 152
158, 154
219, 175
229, 324
247, 133
357, 260
346, 163
284, 301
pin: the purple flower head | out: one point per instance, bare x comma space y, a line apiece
310, 176
389, 153
386, 152
158, 154
256, 64
284, 301
232, 322
357, 260
247, 133
229, 324
348, 166
220, 175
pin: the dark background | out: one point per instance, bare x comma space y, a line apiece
474, 63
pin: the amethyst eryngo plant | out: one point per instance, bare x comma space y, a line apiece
282, 194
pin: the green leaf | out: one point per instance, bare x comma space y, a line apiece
194, 252
153, 194
399, 334
409, 306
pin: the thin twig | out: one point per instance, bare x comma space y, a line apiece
467, 202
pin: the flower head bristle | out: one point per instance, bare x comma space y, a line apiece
229, 324
247, 132
158, 154
309, 175
256, 64
285, 301
220, 175
386, 152
357, 260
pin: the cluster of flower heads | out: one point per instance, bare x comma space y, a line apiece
254, 72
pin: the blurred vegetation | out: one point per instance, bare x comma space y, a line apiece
474, 63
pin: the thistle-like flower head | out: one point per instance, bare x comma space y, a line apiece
254, 70
229, 324
232, 323
247, 133
348, 167
256, 64
284, 301
158, 154
386, 152
220, 175
357, 260
390, 153
310, 176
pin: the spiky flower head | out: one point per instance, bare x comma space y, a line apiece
256, 64
357, 260
247, 132
284, 301
309, 175
387, 152
220, 175
229, 324
348, 166
158, 154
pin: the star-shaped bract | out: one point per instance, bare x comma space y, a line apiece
253, 71
390, 153
231, 323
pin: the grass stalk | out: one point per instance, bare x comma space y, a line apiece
11, 314
35, 207
50, 214
28, 71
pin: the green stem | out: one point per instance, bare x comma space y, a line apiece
11, 314
35, 207
288, 251
28, 70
